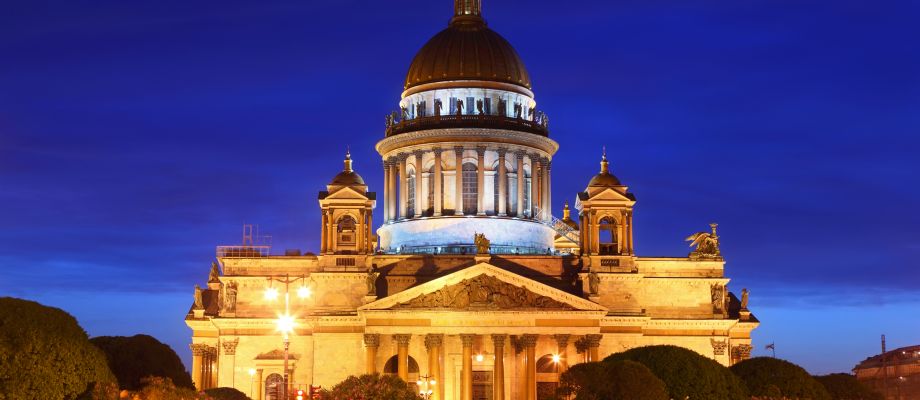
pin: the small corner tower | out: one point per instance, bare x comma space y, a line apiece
347, 214
606, 215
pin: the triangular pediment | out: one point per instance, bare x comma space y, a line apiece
346, 193
483, 287
609, 194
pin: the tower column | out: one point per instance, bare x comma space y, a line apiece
433, 343
480, 181
386, 191
521, 177
594, 342
498, 375
258, 387
530, 344
369, 227
534, 185
502, 206
198, 352
402, 354
418, 183
547, 191
403, 187
393, 198
562, 346
629, 233
359, 242
437, 182
466, 377
458, 203
371, 343
322, 242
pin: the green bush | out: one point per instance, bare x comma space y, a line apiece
764, 375
615, 380
846, 387
139, 356
226, 393
44, 354
159, 388
371, 387
686, 373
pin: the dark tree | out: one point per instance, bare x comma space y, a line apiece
45, 354
159, 388
371, 387
615, 380
226, 393
686, 373
764, 375
136, 357
847, 387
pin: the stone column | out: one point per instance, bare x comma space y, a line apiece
438, 179
371, 343
502, 207
258, 386
433, 344
212, 367
562, 349
534, 185
521, 367
498, 375
458, 203
629, 236
392, 190
530, 344
519, 156
386, 191
229, 355
466, 377
369, 226
403, 187
418, 183
480, 180
547, 190
359, 240
594, 342
322, 243
198, 352
402, 355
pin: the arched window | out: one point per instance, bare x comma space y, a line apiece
274, 385
607, 235
546, 365
410, 194
392, 366
512, 195
347, 229
528, 207
470, 188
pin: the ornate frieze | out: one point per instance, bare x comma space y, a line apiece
486, 292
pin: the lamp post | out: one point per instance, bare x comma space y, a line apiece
286, 322
428, 381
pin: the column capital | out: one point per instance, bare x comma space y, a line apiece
458, 150
593, 340
519, 154
501, 151
562, 339
198, 349
437, 151
547, 163
230, 346
467, 339
499, 339
481, 150
402, 339
517, 344
418, 154
391, 160
401, 157
433, 340
529, 340
372, 339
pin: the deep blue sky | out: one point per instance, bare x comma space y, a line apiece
136, 136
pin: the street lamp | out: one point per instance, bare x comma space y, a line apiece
286, 322
427, 391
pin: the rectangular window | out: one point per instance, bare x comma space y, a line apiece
487, 106
453, 105
470, 106
423, 109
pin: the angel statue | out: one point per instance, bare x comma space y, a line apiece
199, 304
482, 244
745, 294
707, 244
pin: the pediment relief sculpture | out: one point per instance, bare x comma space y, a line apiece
484, 292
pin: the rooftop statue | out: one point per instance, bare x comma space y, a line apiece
707, 244
199, 304
482, 244
744, 298
214, 276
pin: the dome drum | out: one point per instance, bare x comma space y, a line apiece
454, 235
467, 121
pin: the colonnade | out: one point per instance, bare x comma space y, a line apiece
204, 366
523, 346
404, 197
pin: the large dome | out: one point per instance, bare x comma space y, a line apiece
467, 50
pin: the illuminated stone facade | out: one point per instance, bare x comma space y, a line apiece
467, 154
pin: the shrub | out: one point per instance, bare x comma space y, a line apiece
136, 357
45, 354
371, 387
686, 373
846, 387
616, 380
159, 388
226, 393
764, 375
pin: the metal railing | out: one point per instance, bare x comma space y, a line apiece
556, 224
467, 121
246, 251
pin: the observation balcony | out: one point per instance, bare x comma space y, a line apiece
538, 126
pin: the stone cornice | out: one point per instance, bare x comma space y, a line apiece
447, 137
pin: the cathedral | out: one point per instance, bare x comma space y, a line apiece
470, 287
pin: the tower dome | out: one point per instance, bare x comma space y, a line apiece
348, 176
604, 178
467, 51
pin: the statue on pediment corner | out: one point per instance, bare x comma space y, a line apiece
199, 304
482, 243
707, 243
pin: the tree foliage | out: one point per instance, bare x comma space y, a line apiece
847, 387
136, 357
763, 375
45, 354
159, 388
226, 393
686, 373
615, 380
371, 387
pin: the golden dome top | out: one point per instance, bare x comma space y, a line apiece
604, 178
348, 176
467, 50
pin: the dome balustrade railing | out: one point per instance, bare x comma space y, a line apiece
537, 126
